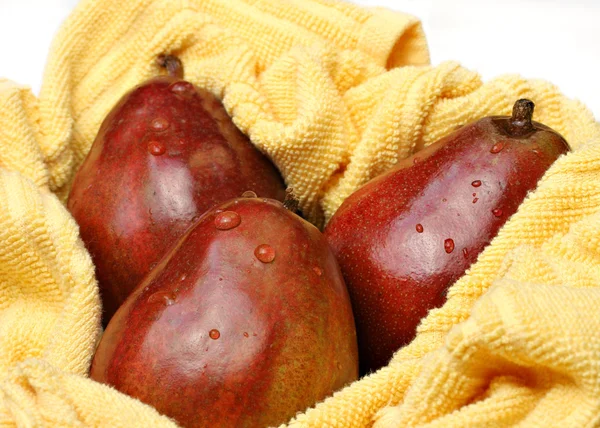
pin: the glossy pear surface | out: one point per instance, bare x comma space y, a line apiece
165, 154
244, 323
406, 236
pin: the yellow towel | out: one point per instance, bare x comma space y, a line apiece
335, 94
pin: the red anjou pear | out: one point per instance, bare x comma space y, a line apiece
404, 237
165, 154
243, 323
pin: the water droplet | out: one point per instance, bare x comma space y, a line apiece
249, 194
214, 334
159, 124
475, 200
476, 183
183, 88
246, 334
156, 148
465, 253
318, 271
265, 253
449, 245
182, 141
183, 277
497, 148
339, 365
161, 297
419, 228
497, 212
227, 220
416, 160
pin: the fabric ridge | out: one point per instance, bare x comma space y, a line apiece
334, 94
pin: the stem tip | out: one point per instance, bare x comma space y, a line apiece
291, 201
522, 114
172, 64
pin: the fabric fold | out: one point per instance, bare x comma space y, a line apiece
334, 94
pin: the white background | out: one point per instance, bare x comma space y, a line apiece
554, 40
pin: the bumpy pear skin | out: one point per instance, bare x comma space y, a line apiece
406, 236
165, 154
245, 322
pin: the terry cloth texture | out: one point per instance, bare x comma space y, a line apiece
334, 94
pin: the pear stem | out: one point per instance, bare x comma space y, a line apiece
172, 64
290, 202
520, 123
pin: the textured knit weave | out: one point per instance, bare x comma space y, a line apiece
334, 94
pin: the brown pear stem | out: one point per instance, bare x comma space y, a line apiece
520, 123
172, 64
291, 202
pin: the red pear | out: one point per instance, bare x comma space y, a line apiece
245, 322
407, 235
165, 154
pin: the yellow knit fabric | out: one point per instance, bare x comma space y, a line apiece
335, 94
